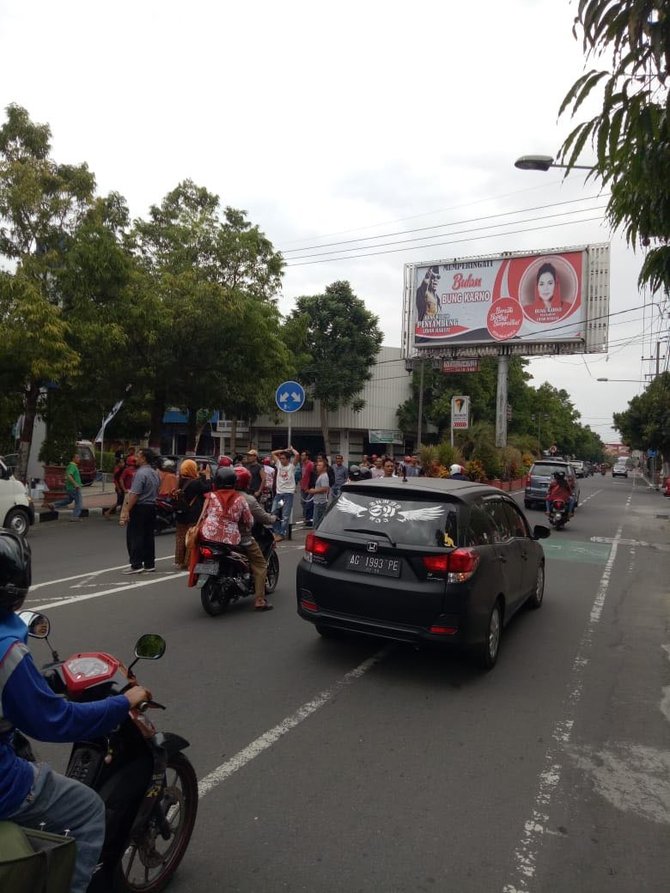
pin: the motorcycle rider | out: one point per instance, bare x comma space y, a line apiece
257, 562
457, 473
560, 489
32, 794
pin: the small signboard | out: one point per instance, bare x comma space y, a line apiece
290, 396
464, 365
385, 436
460, 412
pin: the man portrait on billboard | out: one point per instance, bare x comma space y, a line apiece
427, 299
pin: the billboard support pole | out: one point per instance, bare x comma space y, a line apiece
501, 400
420, 416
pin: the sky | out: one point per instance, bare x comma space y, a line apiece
357, 123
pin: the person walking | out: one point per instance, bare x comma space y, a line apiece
306, 469
72, 489
139, 514
341, 476
119, 466
320, 491
190, 498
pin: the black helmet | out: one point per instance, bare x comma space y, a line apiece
355, 473
224, 479
15, 572
559, 475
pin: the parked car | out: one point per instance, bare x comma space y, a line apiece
16, 507
87, 466
426, 560
578, 466
620, 469
539, 478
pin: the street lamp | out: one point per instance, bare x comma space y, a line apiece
631, 380
544, 162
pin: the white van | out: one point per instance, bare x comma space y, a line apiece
16, 507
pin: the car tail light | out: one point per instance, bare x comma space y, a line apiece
206, 552
308, 604
462, 565
436, 564
315, 547
438, 630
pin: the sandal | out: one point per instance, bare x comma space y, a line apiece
263, 606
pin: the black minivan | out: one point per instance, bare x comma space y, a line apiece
422, 559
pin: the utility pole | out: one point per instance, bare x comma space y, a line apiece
420, 417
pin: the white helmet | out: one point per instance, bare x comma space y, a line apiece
456, 469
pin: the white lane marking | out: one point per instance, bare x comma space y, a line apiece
119, 587
89, 574
535, 827
662, 547
267, 739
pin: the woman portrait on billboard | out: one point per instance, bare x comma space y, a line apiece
547, 302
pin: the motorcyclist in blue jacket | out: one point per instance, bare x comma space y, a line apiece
32, 794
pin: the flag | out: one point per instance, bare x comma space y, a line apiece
110, 415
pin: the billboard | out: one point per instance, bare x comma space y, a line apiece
460, 412
533, 298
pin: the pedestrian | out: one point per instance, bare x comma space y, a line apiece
341, 474
168, 478
306, 469
257, 473
388, 469
119, 466
72, 489
190, 497
320, 491
139, 514
285, 490
377, 470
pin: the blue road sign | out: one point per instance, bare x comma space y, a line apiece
290, 396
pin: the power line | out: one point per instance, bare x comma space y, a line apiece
443, 225
512, 232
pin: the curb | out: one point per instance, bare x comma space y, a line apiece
47, 515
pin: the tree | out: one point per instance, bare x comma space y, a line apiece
339, 339
208, 280
646, 422
631, 133
41, 204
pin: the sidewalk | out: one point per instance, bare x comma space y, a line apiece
94, 500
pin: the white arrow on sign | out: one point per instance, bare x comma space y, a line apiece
283, 397
296, 397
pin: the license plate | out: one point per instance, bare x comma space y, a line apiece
207, 567
374, 564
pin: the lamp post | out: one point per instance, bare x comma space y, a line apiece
544, 162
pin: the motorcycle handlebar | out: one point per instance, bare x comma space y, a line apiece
143, 706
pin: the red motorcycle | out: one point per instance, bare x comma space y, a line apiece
149, 787
559, 514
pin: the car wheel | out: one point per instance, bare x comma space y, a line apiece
18, 522
487, 653
537, 596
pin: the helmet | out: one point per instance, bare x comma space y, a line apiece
355, 473
224, 479
267, 461
242, 477
168, 465
559, 475
456, 469
15, 570
225, 462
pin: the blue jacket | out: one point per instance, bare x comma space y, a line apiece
27, 703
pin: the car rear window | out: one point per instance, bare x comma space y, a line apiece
416, 521
85, 454
546, 469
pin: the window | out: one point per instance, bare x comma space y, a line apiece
504, 521
481, 529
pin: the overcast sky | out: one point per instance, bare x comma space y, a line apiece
333, 122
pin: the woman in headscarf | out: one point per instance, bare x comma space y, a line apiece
190, 498
547, 305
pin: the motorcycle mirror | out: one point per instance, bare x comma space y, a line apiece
540, 532
38, 625
150, 647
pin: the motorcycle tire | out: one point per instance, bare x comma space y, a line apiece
273, 574
180, 795
214, 597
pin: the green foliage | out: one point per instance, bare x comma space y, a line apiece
646, 422
57, 449
631, 134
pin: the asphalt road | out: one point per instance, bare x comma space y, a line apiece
358, 766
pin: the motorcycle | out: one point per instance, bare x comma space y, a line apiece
223, 572
603, 471
166, 518
558, 513
148, 785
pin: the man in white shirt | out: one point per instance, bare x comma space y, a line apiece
285, 489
